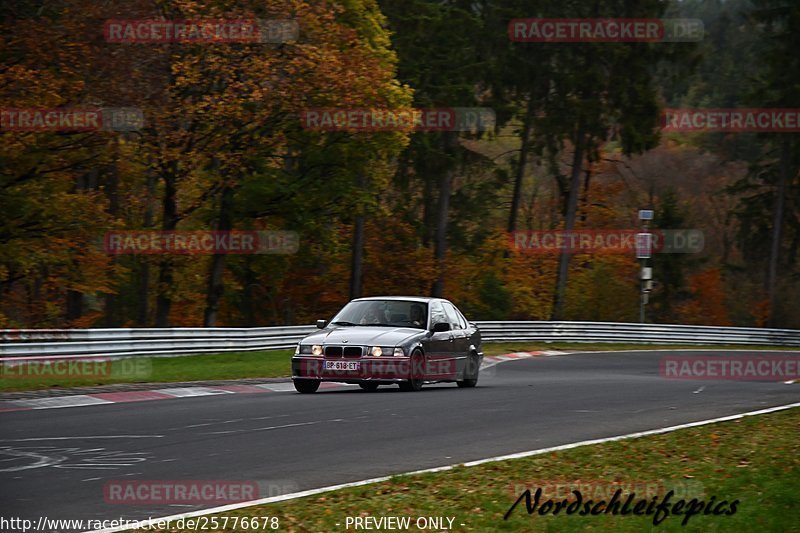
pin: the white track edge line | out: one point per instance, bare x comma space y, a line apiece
312, 492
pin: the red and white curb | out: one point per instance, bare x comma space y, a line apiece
491, 360
169, 393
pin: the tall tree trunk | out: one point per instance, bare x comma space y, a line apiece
248, 297
531, 209
111, 304
450, 142
143, 294
572, 205
524, 149
74, 305
357, 257
215, 285
791, 257
74, 299
166, 265
585, 199
777, 227
427, 207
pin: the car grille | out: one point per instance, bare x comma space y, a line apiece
346, 351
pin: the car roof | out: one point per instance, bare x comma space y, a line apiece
424, 299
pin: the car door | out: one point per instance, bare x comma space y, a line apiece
440, 351
460, 338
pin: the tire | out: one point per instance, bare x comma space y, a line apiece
306, 386
369, 387
413, 384
470, 380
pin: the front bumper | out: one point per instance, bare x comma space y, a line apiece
379, 369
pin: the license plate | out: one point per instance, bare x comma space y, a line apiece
342, 365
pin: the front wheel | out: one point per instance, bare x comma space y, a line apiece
415, 379
306, 386
470, 373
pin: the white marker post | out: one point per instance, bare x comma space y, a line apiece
644, 250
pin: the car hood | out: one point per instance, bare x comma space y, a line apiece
363, 335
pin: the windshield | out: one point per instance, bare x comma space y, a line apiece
400, 313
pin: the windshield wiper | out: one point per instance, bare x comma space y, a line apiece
343, 323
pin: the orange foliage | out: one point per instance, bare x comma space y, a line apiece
603, 288
530, 280
760, 311
707, 305
391, 246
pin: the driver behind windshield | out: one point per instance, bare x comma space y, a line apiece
373, 315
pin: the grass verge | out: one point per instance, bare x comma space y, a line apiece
754, 460
230, 365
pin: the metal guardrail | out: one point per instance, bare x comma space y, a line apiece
145, 341
118, 342
624, 332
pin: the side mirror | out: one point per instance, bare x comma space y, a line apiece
322, 323
441, 326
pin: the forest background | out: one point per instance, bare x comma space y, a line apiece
397, 212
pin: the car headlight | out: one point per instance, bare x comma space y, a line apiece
316, 349
377, 351
399, 352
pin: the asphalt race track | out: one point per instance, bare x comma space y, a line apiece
288, 442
